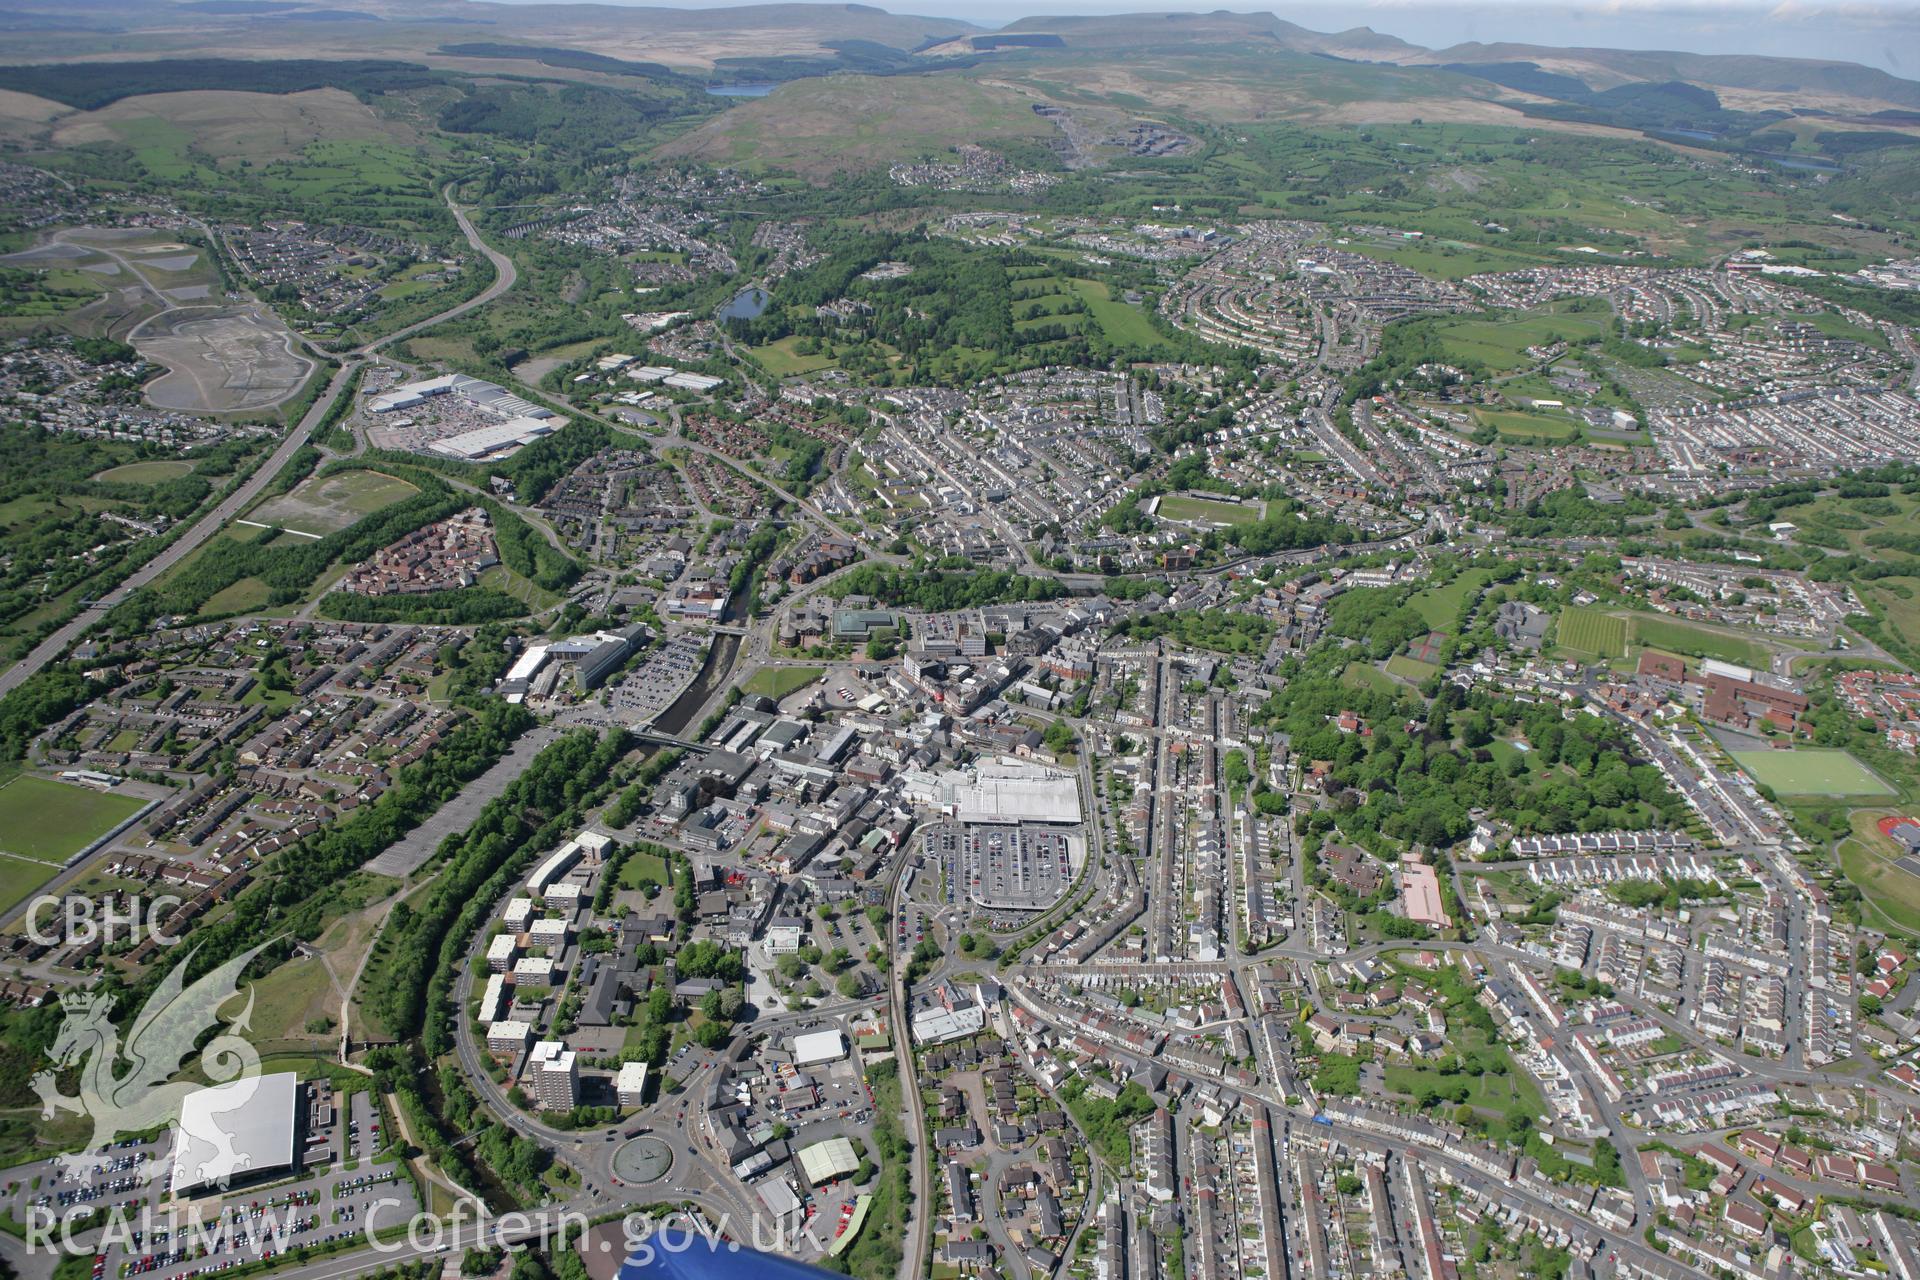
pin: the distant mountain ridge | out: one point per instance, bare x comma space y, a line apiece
1599, 69
1158, 30
790, 41
1730, 71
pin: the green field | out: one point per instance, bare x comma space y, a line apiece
1359, 675
324, 504
1591, 631
1124, 325
1500, 342
1498, 1093
51, 821
1609, 635
1441, 606
508, 583
146, 472
1838, 326
641, 865
1699, 642
1869, 861
1812, 772
1180, 506
782, 360
778, 682
244, 596
1523, 426
1411, 668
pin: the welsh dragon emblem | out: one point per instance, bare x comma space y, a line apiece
144, 1097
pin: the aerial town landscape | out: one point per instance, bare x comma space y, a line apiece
795, 640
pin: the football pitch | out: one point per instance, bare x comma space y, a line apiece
43, 823
1591, 631
52, 821
1177, 506
1812, 772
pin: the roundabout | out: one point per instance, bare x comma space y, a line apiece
642, 1160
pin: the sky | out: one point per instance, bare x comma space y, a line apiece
1883, 35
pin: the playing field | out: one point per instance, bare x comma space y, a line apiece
1411, 668
1360, 675
1812, 772
1180, 506
146, 472
1591, 631
1124, 324
52, 821
322, 504
1441, 606
1701, 642
1500, 341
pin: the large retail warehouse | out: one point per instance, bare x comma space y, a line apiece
243, 1131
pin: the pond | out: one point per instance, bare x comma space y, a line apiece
740, 90
746, 304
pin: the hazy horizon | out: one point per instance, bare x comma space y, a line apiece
1885, 36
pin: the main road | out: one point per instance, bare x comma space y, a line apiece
180, 548
234, 503
504, 276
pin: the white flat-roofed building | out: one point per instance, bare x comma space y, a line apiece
630, 1086
242, 1129
533, 971
998, 793
493, 999
556, 864
814, 1047
780, 1198
564, 896
411, 394
937, 1024
508, 1037
555, 1074
489, 441
693, 381
528, 664
518, 913
549, 933
500, 952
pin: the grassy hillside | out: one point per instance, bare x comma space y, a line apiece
822, 126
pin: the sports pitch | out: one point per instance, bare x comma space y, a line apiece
1208, 511
1591, 631
51, 821
1812, 772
